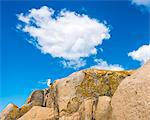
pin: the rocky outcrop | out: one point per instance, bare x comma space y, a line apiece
79, 92
131, 101
89, 95
10, 112
84, 95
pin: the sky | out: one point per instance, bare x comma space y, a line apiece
47, 40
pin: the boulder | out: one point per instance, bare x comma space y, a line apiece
66, 91
86, 109
39, 113
23, 109
103, 108
131, 100
10, 112
36, 98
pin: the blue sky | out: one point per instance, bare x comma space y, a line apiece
25, 66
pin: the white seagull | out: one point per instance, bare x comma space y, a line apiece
48, 82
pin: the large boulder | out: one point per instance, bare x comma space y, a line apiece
36, 98
131, 100
39, 113
66, 92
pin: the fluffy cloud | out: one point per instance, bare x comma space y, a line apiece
101, 64
142, 54
145, 3
74, 63
66, 34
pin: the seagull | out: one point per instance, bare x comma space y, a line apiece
48, 82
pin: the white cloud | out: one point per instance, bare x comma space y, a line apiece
66, 35
142, 54
74, 63
101, 64
145, 3
23, 18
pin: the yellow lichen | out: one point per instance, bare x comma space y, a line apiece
100, 82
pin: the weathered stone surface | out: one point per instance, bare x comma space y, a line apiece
51, 99
88, 109
39, 113
74, 116
103, 108
9, 113
66, 90
131, 100
45, 91
36, 98
85, 111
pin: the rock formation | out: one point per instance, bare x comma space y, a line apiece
10, 112
90, 95
131, 101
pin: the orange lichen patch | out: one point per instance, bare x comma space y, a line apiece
101, 82
102, 72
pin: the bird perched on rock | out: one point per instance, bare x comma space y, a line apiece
49, 82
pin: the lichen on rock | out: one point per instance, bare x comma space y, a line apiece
100, 82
